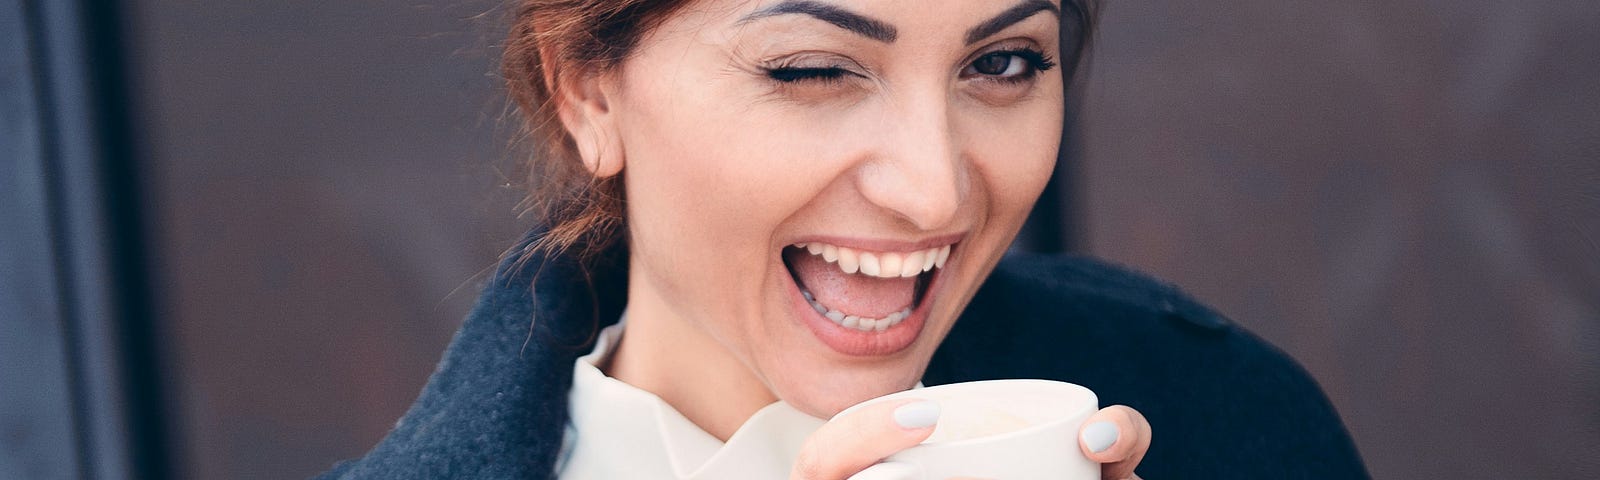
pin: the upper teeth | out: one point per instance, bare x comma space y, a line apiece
880, 264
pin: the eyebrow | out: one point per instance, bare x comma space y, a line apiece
1011, 16
854, 22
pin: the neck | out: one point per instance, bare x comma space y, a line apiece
681, 363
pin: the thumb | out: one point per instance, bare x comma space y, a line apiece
1117, 437
851, 443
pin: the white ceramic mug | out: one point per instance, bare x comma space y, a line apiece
996, 429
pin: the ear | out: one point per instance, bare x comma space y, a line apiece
586, 113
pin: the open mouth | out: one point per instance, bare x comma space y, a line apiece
863, 291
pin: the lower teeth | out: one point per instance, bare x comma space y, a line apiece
855, 322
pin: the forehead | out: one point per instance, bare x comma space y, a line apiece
881, 20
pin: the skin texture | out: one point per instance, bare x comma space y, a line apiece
725, 166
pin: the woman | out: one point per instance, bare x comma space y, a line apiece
794, 201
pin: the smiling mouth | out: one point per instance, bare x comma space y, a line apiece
863, 290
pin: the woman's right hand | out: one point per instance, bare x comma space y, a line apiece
849, 444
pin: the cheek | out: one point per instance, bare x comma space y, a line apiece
1014, 152
707, 188
707, 153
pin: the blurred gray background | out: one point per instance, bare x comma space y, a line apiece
1405, 195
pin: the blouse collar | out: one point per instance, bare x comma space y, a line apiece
620, 431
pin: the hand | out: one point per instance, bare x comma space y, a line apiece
852, 443
1117, 437
847, 445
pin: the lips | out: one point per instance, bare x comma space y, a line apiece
863, 302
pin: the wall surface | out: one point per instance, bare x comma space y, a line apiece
1405, 195
328, 185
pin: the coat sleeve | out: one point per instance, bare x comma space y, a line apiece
1274, 422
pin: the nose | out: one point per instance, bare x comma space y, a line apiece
918, 171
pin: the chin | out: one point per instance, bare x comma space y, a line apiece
824, 392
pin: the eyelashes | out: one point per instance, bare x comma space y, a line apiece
800, 74
1012, 65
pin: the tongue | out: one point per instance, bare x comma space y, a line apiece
857, 294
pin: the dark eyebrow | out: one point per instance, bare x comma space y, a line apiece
1009, 17
854, 22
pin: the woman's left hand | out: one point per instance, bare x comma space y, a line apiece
1117, 437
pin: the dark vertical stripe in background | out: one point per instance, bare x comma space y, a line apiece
79, 254
139, 336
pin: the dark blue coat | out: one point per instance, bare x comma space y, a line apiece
1222, 403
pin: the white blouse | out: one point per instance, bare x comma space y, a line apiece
618, 431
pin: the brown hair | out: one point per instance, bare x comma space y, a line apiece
554, 40
551, 41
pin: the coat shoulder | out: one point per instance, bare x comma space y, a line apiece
1064, 278
1210, 388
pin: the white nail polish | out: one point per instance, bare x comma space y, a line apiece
919, 414
1099, 436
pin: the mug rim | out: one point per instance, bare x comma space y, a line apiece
1074, 389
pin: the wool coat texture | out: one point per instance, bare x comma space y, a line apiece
1222, 403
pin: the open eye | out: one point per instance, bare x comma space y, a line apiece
1009, 65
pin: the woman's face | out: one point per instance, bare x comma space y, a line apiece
883, 135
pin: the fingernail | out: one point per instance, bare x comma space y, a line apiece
1099, 436
919, 414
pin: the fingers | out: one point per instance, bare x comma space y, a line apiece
851, 443
1117, 437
